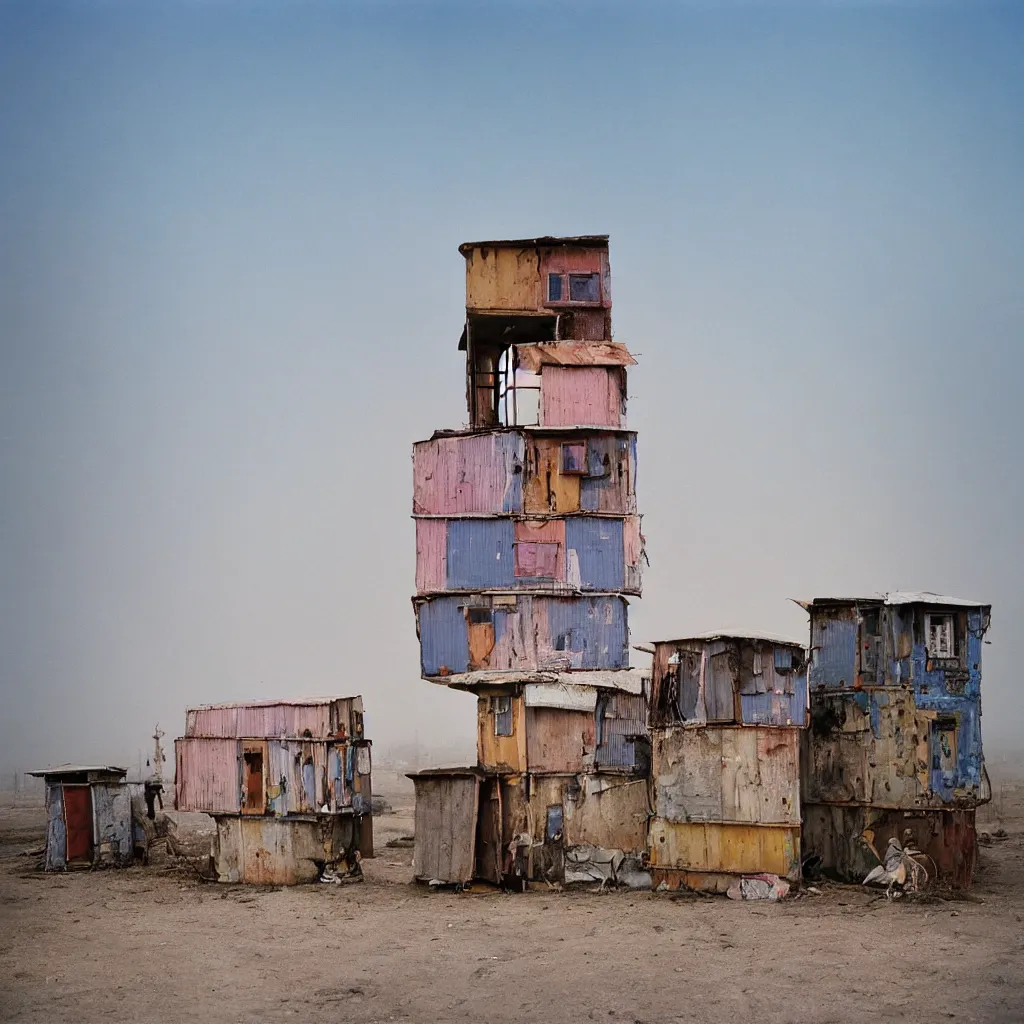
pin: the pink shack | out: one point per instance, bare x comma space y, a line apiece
288, 783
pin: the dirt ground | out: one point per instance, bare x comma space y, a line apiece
158, 944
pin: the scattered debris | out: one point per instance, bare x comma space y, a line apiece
759, 887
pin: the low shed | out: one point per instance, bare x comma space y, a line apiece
89, 816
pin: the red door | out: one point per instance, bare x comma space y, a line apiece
78, 822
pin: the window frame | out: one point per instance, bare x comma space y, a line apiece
948, 621
501, 705
566, 299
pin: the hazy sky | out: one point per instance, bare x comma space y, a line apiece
230, 299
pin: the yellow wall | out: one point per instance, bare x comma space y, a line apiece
732, 849
503, 279
501, 751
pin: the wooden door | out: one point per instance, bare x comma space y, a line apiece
446, 813
488, 831
78, 823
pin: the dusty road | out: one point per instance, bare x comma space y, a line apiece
156, 944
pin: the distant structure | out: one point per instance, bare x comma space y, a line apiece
727, 710
88, 816
528, 544
894, 746
288, 783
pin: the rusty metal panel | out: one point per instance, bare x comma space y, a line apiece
275, 851
869, 747
469, 474
718, 848
207, 775
558, 740
546, 488
727, 774
445, 825
609, 812
581, 396
112, 814
621, 720
839, 835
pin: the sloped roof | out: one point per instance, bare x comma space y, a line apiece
896, 597
584, 241
737, 634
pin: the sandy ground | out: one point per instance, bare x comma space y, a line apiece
158, 944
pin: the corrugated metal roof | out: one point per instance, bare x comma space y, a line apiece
299, 702
737, 634
588, 241
573, 353
895, 597
69, 769
628, 680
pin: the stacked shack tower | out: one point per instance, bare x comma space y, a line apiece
527, 545
894, 745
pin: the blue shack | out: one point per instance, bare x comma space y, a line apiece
894, 745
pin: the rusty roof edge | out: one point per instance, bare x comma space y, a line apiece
584, 241
628, 680
737, 634
441, 433
298, 702
75, 769
895, 597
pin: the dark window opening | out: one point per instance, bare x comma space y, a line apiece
554, 287
553, 831
480, 616
500, 392
584, 287
574, 459
501, 708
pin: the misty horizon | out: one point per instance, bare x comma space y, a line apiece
231, 299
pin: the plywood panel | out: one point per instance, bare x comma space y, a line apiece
559, 740
503, 279
546, 489
728, 848
445, 827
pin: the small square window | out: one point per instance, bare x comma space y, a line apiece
554, 287
584, 287
480, 616
574, 459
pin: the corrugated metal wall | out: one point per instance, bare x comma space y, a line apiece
581, 396
620, 717
469, 474
579, 553
207, 775
322, 719
531, 632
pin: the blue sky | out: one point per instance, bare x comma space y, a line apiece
230, 296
